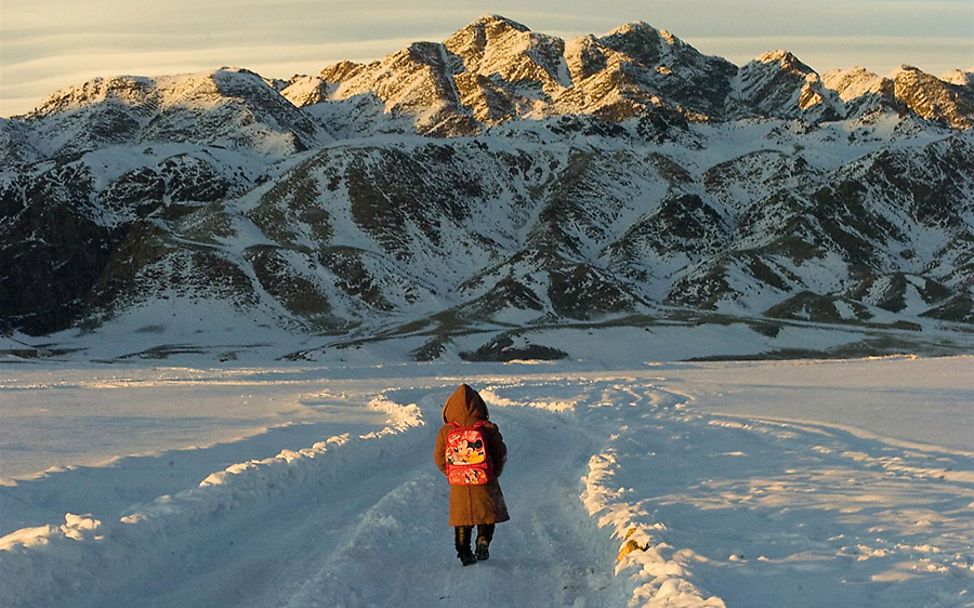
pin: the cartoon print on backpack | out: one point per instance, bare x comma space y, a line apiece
465, 447
467, 461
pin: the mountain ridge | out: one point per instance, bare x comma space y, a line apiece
463, 196
632, 62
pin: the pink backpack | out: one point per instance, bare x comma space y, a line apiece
467, 461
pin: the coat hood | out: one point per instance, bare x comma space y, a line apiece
465, 407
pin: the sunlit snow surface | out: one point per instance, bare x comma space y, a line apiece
810, 483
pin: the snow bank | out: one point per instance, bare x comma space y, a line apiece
75, 527
662, 573
399, 417
492, 396
39, 565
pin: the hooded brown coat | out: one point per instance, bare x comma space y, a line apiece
473, 505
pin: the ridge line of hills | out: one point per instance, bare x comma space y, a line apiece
470, 196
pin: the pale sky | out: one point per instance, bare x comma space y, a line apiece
49, 44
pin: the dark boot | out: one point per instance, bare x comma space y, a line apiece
461, 538
485, 532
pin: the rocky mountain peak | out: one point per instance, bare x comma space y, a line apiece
303, 90
638, 40
497, 46
491, 25
633, 29
637, 37
932, 98
863, 93
340, 71
777, 83
127, 90
852, 82
490, 33
964, 78
785, 60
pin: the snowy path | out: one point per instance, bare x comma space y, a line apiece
706, 509
545, 557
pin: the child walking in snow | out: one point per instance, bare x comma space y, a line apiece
471, 453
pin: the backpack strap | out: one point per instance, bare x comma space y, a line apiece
475, 425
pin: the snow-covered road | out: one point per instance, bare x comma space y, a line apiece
620, 491
399, 552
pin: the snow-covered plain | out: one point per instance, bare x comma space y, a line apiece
801, 483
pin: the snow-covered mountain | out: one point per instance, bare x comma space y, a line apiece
229, 106
496, 183
778, 84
